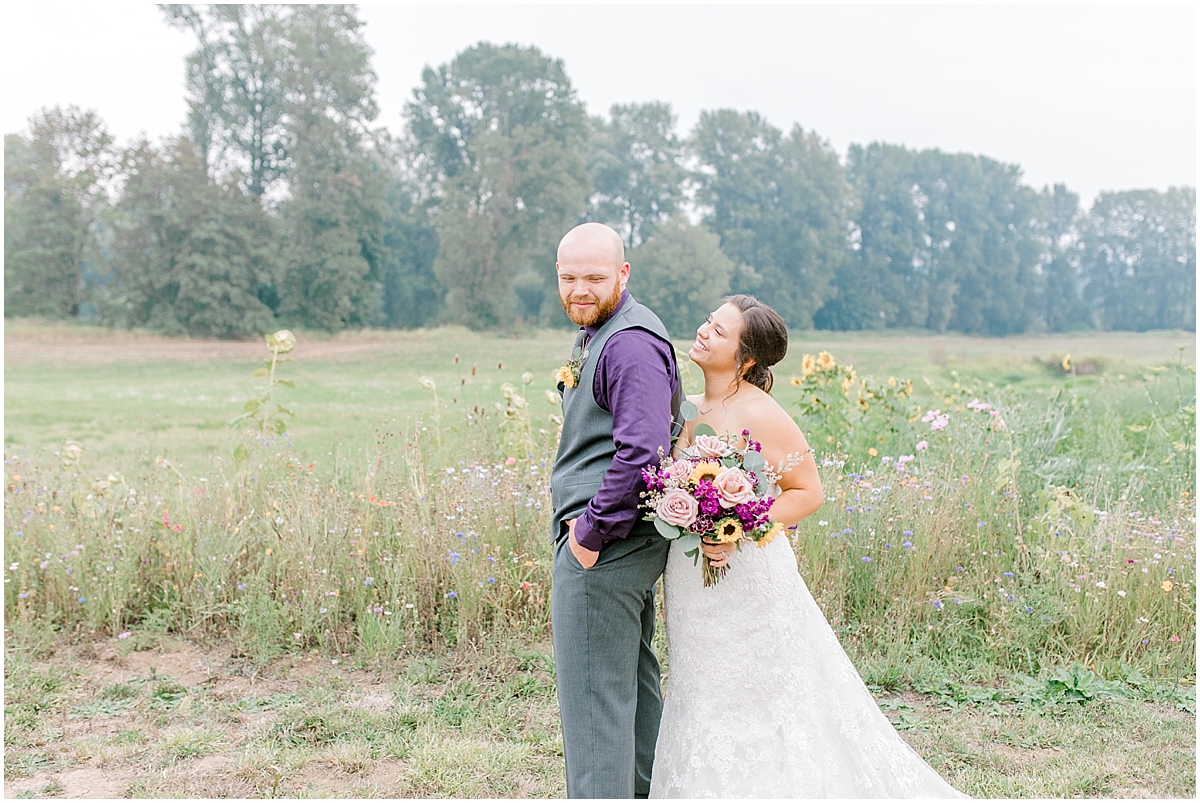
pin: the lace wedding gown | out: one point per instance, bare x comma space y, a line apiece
761, 699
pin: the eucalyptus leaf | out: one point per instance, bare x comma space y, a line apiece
690, 544
703, 429
669, 531
688, 410
754, 461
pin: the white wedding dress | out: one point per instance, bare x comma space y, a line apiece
761, 699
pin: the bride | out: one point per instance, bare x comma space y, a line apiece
761, 700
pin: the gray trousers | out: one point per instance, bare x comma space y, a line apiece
609, 696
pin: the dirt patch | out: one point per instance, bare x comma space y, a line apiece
186, 663
80, 783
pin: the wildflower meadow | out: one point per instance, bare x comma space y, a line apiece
1032, 539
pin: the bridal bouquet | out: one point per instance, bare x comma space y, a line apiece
716, 490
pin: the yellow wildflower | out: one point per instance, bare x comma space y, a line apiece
808, 366
825, 361
1167, 585
708, 470
795, 380
728, 531
775, 530
891, 381
873, 452
1066, 362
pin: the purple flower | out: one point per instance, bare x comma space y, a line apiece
452, 595
82, 600
1008, 574
866, 559
847, 531
652, 480
937, 603
906, 544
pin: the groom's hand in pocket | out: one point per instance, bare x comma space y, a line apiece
586, 557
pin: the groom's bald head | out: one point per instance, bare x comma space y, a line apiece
592, 273
592, 240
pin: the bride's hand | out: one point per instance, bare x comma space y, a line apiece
718, 554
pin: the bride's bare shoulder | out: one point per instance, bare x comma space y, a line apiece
765, 417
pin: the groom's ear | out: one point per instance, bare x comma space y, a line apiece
623, 275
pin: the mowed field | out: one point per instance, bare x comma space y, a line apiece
132, 397
148, 713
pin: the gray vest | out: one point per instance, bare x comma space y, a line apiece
587, 449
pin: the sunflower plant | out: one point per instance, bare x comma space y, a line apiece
263, 410
838, 406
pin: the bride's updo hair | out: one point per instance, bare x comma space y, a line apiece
764, 340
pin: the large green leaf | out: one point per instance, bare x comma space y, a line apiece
690, 544
754, 461
688, 411
703, 429
666, 530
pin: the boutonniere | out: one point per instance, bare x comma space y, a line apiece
568, 374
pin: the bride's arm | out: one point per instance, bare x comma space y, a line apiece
801, 493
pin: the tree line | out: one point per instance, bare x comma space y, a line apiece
284, 203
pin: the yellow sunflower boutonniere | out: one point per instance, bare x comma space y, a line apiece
568, 374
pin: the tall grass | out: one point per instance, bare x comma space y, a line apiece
1043, 529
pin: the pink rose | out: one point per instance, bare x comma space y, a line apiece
678, 470
677, 507
734, 487
711, 446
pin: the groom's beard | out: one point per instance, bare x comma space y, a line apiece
602, 309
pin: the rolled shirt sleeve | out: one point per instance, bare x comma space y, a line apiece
635, 380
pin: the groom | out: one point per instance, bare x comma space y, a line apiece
621, 393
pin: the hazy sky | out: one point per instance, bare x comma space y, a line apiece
1097, 97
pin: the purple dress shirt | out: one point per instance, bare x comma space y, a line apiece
635, 379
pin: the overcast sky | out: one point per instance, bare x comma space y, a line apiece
1097, 97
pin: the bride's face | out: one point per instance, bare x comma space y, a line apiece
717, 339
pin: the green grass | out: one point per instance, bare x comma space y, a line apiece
485, 724
128, 398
